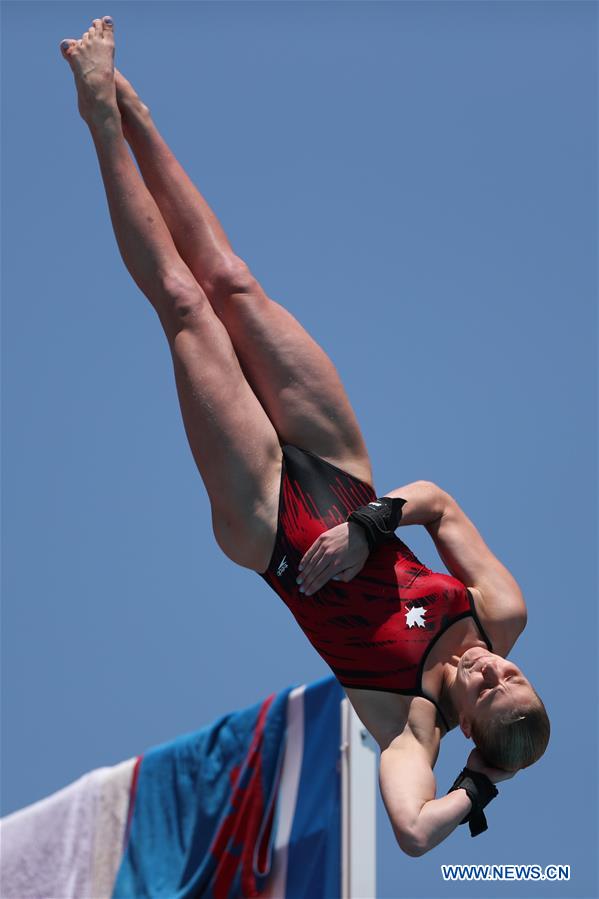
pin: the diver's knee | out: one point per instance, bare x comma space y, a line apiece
231, 278
183, 305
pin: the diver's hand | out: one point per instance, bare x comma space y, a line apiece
475, 763
339, 553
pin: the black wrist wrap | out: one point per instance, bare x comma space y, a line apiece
379, 519
480, 791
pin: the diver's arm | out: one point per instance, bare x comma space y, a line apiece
440, 817
468, 558
408, 788
463, 551
425, 502
342, 552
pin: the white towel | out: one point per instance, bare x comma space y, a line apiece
69, 845
113, 805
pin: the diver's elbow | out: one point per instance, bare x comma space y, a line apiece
412, 844
416, 851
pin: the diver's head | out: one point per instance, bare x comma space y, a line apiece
499, 709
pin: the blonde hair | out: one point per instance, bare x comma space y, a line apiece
514, 739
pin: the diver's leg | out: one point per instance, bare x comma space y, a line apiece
233, 442
291, 374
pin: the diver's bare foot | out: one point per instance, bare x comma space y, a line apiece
133, 110
92, 62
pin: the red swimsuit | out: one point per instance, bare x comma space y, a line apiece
376, 631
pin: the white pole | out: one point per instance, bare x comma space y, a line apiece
358, 807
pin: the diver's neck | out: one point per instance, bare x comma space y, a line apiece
447, 698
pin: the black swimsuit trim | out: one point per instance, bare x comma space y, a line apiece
330, 464
478, 622
279, 507
421, 695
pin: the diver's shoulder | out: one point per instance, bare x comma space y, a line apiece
503, 616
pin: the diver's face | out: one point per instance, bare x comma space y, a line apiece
489, 684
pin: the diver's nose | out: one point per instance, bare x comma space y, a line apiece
489, 673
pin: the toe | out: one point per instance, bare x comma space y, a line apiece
97, 26
66, 45
108, 23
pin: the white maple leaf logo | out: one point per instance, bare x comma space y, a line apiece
415, 616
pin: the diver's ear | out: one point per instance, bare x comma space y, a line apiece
465, 726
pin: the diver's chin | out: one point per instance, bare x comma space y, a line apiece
468, 658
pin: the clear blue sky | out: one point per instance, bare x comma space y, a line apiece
417, 182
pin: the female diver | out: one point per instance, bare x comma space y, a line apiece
284, 463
